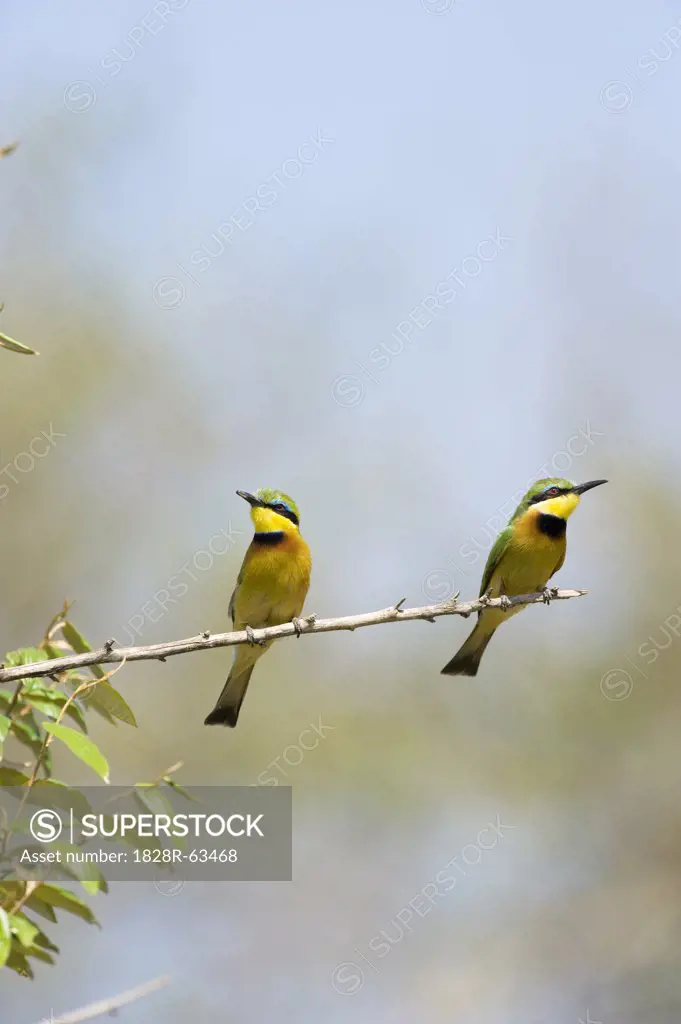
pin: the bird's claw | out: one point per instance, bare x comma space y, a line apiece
253, 639
548, 594
504, 602
300, 624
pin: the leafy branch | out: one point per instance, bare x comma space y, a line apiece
32, 717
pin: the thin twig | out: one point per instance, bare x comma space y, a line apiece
15, 698
207, 641
26, 895
108, 1007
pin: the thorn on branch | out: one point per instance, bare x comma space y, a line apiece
56, 667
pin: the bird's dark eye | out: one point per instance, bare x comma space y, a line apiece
553, 492
279, 507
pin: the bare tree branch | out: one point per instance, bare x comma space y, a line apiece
205, 642
104, 1007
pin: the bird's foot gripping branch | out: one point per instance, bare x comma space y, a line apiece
110, 655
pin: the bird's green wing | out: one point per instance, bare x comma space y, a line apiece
498, 549
560, 564
239, 579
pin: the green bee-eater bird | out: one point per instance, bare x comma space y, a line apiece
271, 588
525, 556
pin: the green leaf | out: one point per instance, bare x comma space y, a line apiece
180, 789
17, 962
64, 899
25, 730
24, 656
16, 346
88, 874
85, 697
5, 937
11, 891
11, 777
27, 726
42, 940
44, 704
80, 646
24, 929
51, 793
39, 906
40, 954
104, 697
151, 799
51, 701
75, 638
93, 885
82, 747
5, 723
137, 842
52, 651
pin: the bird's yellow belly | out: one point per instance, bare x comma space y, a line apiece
273, 591
524, 569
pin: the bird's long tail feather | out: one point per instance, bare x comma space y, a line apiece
226, 711
466, 661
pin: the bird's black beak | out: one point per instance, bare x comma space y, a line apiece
251, 499
581, 488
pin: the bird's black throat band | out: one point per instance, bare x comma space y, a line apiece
270, 538
552, 526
